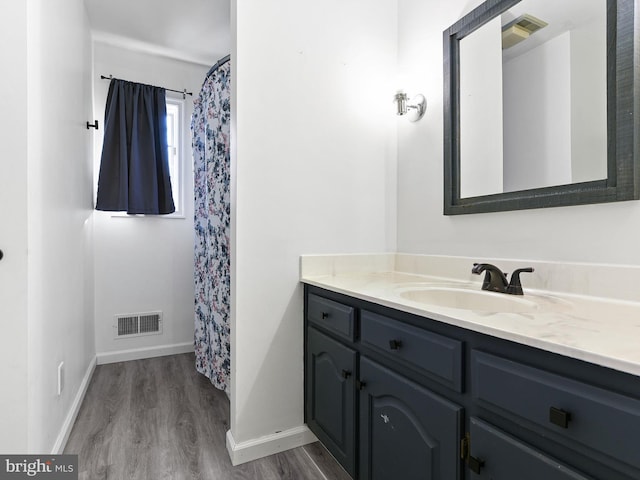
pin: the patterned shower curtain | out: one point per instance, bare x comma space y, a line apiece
210, 130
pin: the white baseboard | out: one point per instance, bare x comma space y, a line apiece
65, 431
268, 445
145, 352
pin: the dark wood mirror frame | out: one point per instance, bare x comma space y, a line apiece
623, 120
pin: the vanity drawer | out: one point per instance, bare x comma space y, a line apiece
599, 419
333, 316
506, 458
435, 356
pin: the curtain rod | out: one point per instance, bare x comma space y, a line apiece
183, 92
219, 63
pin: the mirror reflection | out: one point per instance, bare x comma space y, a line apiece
533, 98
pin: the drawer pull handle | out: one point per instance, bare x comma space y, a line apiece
559, 417
475, 465
325, 315
395, 344
360, 385
346, 374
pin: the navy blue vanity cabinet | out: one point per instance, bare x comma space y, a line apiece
367, 395
330, 404
406, 431
399, 396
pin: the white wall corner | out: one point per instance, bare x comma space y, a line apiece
67, 426
145, 352
268, 445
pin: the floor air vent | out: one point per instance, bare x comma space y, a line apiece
138, 324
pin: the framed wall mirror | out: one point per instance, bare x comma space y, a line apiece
541, 105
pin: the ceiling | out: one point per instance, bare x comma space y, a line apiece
192, 30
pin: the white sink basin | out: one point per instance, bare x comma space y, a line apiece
465, 299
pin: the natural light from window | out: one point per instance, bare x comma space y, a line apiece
174, 123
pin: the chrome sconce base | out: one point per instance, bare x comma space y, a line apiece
414, 109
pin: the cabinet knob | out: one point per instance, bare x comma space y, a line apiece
346, 374
475, 464
559, 417
325, 315
395, 344
360, 385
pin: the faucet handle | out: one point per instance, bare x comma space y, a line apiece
515, 287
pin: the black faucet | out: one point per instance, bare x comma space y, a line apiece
515, 287
496, 281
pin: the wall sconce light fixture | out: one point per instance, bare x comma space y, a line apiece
414, 108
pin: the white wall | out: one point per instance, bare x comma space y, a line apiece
589, 100
313, 172
60, 273
481, 122
13, 228
606, 233
144, 263
46, 279
537, 116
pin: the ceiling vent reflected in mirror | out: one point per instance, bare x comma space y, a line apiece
520, 29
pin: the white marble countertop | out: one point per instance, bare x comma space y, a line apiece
602, 331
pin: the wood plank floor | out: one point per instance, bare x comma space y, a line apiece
159, 419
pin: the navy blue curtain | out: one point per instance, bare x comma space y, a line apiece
134, 169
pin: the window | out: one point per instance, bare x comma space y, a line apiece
174, 142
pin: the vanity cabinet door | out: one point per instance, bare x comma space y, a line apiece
498, 456
406, 431
330, 403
